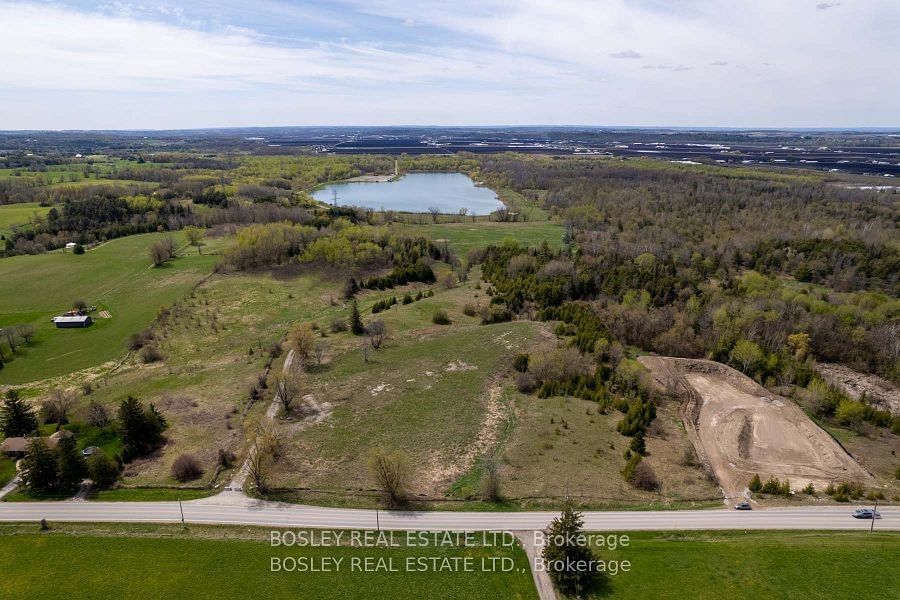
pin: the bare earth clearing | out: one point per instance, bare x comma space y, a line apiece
740, 429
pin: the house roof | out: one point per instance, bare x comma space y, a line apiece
14, 444
20, 444
75, 319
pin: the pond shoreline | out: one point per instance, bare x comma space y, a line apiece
451, 193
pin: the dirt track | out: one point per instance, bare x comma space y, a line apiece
739, 428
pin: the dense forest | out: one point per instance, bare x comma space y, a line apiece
762, 271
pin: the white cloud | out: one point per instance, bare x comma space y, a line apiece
494, 61
625, 54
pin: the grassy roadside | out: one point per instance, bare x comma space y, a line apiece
155, 561
121, 495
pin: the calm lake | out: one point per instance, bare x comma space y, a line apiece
416, 192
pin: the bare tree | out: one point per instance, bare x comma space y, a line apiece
377, 333
302, 340
490, 480
25, 331
364, 346
320, 349
268, 438
287, 390
159, 254
12, 338
98, 415
56, 408
435, 211
258, 465
390, 471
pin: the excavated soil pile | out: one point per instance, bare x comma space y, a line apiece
739, 428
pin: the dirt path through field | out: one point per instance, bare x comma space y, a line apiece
444, 470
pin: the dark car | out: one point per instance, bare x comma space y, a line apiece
743, 506
866, 513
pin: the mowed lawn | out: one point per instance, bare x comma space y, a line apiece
131, 565
116, 276
755, 565
465, 236
12, 215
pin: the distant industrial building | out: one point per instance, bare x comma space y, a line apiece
73, 321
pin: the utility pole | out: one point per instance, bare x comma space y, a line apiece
377, 520
874, 512
181, 508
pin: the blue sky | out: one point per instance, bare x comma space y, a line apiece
744, 63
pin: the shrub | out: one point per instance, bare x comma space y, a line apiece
151, 354
756, 484
520, 362
102, 470
98, 415
469, 310
390, 471
644, 478
226, 458
138, 340
526, 383
810, 489
186, 468
638, 445
338, 325
78, 249
440, 317
630, 466
407, 298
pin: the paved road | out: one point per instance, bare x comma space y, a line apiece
232, 508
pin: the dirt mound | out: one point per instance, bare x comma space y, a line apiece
739, 428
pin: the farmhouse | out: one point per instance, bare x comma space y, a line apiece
73, 321
17, 447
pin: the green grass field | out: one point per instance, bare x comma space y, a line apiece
465, 236
146, 561
116, 276
754, 565
7, 470
12, 215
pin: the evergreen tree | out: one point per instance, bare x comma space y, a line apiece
141, 428
40, 467
72, 466
356, 324
756, 484
17, 418
566, 547
638, 444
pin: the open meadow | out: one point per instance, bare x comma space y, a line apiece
235, 562
117, 277
772, 564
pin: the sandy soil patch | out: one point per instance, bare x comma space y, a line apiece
740, 429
